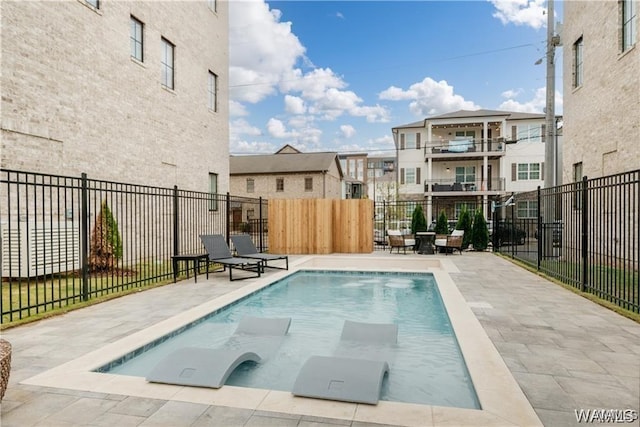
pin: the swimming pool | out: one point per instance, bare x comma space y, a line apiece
426, 366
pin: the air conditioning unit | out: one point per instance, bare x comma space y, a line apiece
31, 249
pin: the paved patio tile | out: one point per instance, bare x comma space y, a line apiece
223, 416
267, 421
30, 413
558, 418
137, 406
117, 420
544, 392
175, 414
82, 411
597, 394
321, 420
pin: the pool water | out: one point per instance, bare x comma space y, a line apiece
426, 366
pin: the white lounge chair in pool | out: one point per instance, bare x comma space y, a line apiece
355, 378
254, 340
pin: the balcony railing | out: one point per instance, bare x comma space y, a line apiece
451, 186
466, 146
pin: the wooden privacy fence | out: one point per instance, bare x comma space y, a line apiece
320, 226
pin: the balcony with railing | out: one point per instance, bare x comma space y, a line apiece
465, 148
449, 187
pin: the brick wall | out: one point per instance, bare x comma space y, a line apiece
73, 99
602, 116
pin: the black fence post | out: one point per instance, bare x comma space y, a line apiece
540, 232
84, 236
260, 226
176, 242
585, 234
228, 225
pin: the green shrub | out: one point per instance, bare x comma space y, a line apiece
418, 221
106, 243
480, 232
465, 223
442, 226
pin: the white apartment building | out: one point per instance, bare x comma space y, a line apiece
128, 91
467, 158
601, 93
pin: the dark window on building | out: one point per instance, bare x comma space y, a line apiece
250, 185
136, 39
212, 90
167, 58
213, 191
308, 184
578, 58
279, 184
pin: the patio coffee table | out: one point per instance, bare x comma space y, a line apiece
193, 258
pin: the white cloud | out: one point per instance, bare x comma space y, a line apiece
253, 147
242, 127
294, 105
511, 93
261, 50
535, 105
521, 12
347, 131
237, 109
339, 15
429, 97
277, 129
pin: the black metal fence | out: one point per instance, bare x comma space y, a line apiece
69, 239
586, 234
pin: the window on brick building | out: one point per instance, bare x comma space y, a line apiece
213, 5
93, 3
250, 185
212, 90
629, 23
167, 63
279, 184
308, 184
213, 191
136, 39
578, 52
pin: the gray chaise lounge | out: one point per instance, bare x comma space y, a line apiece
355, 378
254, 340
245, 248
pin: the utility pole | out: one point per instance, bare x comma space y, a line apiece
550, 151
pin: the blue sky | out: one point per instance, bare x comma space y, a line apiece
338, 75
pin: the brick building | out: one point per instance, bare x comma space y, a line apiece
124, 91
601, 95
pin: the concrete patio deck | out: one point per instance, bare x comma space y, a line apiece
565, 352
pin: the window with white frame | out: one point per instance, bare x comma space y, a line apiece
466, 174
93, 3
212, 91
251, 184
629, 23
528, 171
136, 39
409, 140
527, 208
361, 169
530, 132
167, 63
578, 52
410, 175
213, 191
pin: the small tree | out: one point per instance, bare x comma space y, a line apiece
418, 221
480, 233
464, 223
442, 226
106, 244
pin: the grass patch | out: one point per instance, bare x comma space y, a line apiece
27, 300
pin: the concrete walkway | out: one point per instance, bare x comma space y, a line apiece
565, 352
